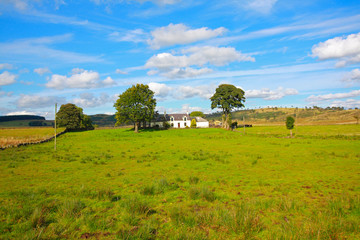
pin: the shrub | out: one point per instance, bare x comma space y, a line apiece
193, 123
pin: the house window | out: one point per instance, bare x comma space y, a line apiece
184, 124
171, 118
172, 124
185, 119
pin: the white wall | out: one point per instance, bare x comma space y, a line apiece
202, 124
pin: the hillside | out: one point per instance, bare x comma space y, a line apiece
303, 116
103, 120
24, 121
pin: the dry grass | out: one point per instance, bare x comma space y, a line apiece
17, 136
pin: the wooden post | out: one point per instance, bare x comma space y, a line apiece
55, 126
244, 123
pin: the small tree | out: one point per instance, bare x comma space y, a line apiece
290, 124
193, 123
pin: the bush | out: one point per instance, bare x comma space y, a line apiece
166, 125
193, 123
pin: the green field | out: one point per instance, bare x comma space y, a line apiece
185, 184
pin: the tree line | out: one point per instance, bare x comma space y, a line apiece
137, 104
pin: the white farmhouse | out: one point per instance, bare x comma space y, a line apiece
178, 120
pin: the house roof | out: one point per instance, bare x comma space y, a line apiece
179, 116
200, 119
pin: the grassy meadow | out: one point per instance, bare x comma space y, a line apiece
185, 184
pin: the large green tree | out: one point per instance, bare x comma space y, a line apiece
197, 114
227, 97
137, 104
72, 118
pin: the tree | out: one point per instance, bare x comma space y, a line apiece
193, 123
290, 124
197, 114
72, 118
137, 104
227, 97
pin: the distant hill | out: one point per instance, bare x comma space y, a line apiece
20, 117
24, 121
103, 120
303, 116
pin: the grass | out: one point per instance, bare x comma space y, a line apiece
185, 184
14, 137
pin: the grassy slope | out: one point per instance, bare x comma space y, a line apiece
184, 184
277, 116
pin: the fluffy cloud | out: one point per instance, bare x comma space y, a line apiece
261, 6
5, 66
160, 89
7, 78
79, 78
181, 34
332, 96
42, 71
347, 50
173, 66
350, 103
21, 113
353, 76
268, 94
33, 101
89, 100
182, 92
199, 91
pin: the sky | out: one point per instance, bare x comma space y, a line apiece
281, 53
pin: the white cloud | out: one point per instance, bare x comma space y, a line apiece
6, 94
21, 113
5, 66
109, 82
261, 6
33, 101
268, 94
332, 96
79, 78
350, 103
89, 100
347, 50
352, 77
160, 89
137, 35
181, 34
118, 71
204, 92
7, 78
158, 2
42, 71
35, 49
173, 66
182, 92
186, 72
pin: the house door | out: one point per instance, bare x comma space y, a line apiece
178, 125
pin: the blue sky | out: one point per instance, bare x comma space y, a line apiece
281, 53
